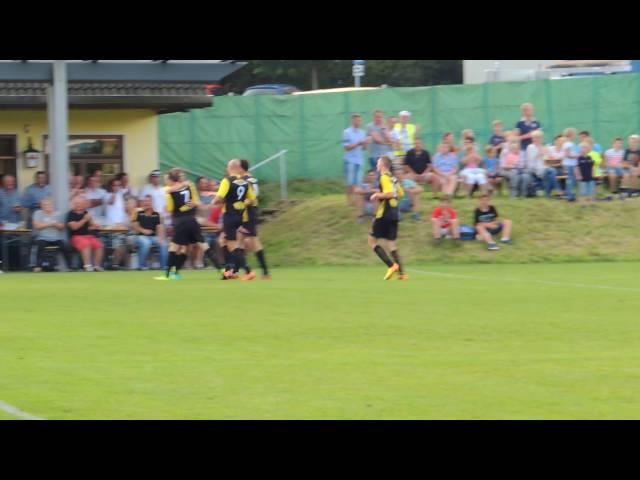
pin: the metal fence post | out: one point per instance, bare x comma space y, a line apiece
283, 176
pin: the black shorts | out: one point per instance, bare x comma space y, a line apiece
250, 228
495, 230
387, 229
186, 230
231, 223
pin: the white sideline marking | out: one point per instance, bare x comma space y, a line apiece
543, 282
11, 410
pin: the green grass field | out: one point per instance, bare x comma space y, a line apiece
454, 342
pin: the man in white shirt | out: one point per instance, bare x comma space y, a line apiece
96, 196
156, 192
116, 217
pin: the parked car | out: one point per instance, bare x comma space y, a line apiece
270, 89
215, 89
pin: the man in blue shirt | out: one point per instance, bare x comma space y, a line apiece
353, 141
10, 204
34, 194
527, 125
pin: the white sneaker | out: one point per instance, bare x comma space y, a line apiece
98, 269
88, 268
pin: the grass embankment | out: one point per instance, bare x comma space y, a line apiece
321, 229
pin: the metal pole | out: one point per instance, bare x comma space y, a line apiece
58, 117
283, 177
357, 81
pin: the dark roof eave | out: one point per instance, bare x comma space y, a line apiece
159, 103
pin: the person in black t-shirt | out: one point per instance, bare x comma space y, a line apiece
148, 225
419, 162
487, 223
80, 223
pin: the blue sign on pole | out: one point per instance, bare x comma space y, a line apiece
359, 62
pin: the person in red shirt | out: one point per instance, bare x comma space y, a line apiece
445, 221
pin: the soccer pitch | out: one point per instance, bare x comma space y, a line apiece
454, 342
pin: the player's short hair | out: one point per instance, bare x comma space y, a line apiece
386, 161
585, 132
496, 123
175, 174
355, 115
537, 133
558, 136
489, 149
617, 139
244, 164
634, 137
568, 131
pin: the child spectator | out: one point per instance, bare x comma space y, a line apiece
490, 164
534, 155
444, 221
498, 138
487, 223
471, 173
584, 172
613, 163
569, 162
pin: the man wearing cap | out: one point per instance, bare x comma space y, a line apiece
353, 141
155, 191
405, 133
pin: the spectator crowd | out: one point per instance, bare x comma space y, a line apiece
524, 161
112, 225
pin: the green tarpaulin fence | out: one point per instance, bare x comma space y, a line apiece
310, 126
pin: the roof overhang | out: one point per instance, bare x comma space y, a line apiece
197, 71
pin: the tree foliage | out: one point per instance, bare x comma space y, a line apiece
337, 73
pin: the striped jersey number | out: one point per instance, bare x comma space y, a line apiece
241, 191
187, 195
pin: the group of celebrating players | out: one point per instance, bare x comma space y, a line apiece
238, 194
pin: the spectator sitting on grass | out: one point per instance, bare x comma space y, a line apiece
418, 161
498, 139
534, 159
553, 165
445, 168
631, 162
449, 139
487, 223
444, 221
80, 221
363, 194
147, 223
411, 200
48, 228
613, 163
472, 173
512, 167
491, 164
584, 173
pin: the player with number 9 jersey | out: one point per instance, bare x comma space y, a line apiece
235, 190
